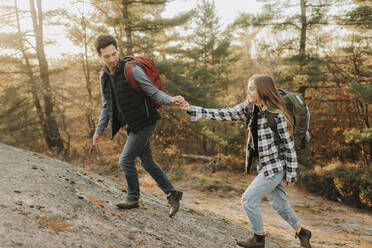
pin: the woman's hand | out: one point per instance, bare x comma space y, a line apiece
289, 184
179, 101
185, 106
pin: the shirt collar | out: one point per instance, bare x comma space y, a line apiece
117, 68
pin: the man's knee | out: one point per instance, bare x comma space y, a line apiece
126, 161
146, 160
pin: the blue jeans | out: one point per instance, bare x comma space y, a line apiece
273, 187
138, 145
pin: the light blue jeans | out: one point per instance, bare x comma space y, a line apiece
138, 145
273, 187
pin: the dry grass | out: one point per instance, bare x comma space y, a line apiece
221, 181
99, 204
96, 201
57, 224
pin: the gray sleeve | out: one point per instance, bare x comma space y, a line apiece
149, 89
103, 117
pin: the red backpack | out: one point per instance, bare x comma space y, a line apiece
148, 66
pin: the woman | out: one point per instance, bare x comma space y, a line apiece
276, 156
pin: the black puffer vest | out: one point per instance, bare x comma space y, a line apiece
133, 108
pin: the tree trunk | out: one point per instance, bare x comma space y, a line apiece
303, 28
213, 164
89, 110
32, 83
368, 126
128, 28
197, 157
53, 137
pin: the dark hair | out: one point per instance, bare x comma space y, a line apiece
104, 41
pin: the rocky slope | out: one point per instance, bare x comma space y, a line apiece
45, 202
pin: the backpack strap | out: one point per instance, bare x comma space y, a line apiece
251, 126
273, 126
128, 72
101, 75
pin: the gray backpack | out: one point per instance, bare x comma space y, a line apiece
301, 118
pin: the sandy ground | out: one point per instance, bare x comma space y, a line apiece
332, 224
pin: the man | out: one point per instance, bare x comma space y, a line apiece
133, 110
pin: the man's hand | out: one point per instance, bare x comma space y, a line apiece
97, 139
177, 100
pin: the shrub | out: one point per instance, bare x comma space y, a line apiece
347, 183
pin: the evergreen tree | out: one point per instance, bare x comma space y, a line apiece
53, 137
297, 25
200, 69
17, 118
357, 65
25, 57
135, 23
205, 60
309, 52
82, 29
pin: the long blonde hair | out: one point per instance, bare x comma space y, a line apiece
270, 99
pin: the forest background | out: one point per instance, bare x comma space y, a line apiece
318, 48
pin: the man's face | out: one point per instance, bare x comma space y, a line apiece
110, 56
252, 95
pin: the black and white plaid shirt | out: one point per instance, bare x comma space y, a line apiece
273, 159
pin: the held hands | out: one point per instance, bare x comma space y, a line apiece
177, 100
180, 102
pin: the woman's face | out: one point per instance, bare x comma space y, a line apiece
252, 95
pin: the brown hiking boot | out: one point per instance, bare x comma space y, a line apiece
174, 201
130, 202
304, 235
257, 241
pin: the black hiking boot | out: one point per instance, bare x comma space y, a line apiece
174, 201
304, 235
257, 241
130, 202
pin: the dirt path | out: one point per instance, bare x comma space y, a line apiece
333, 224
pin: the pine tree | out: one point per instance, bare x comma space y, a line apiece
299, 20
309, 54
357, 65
81, 31
199, 68
25, 59
135, 24
53, 137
